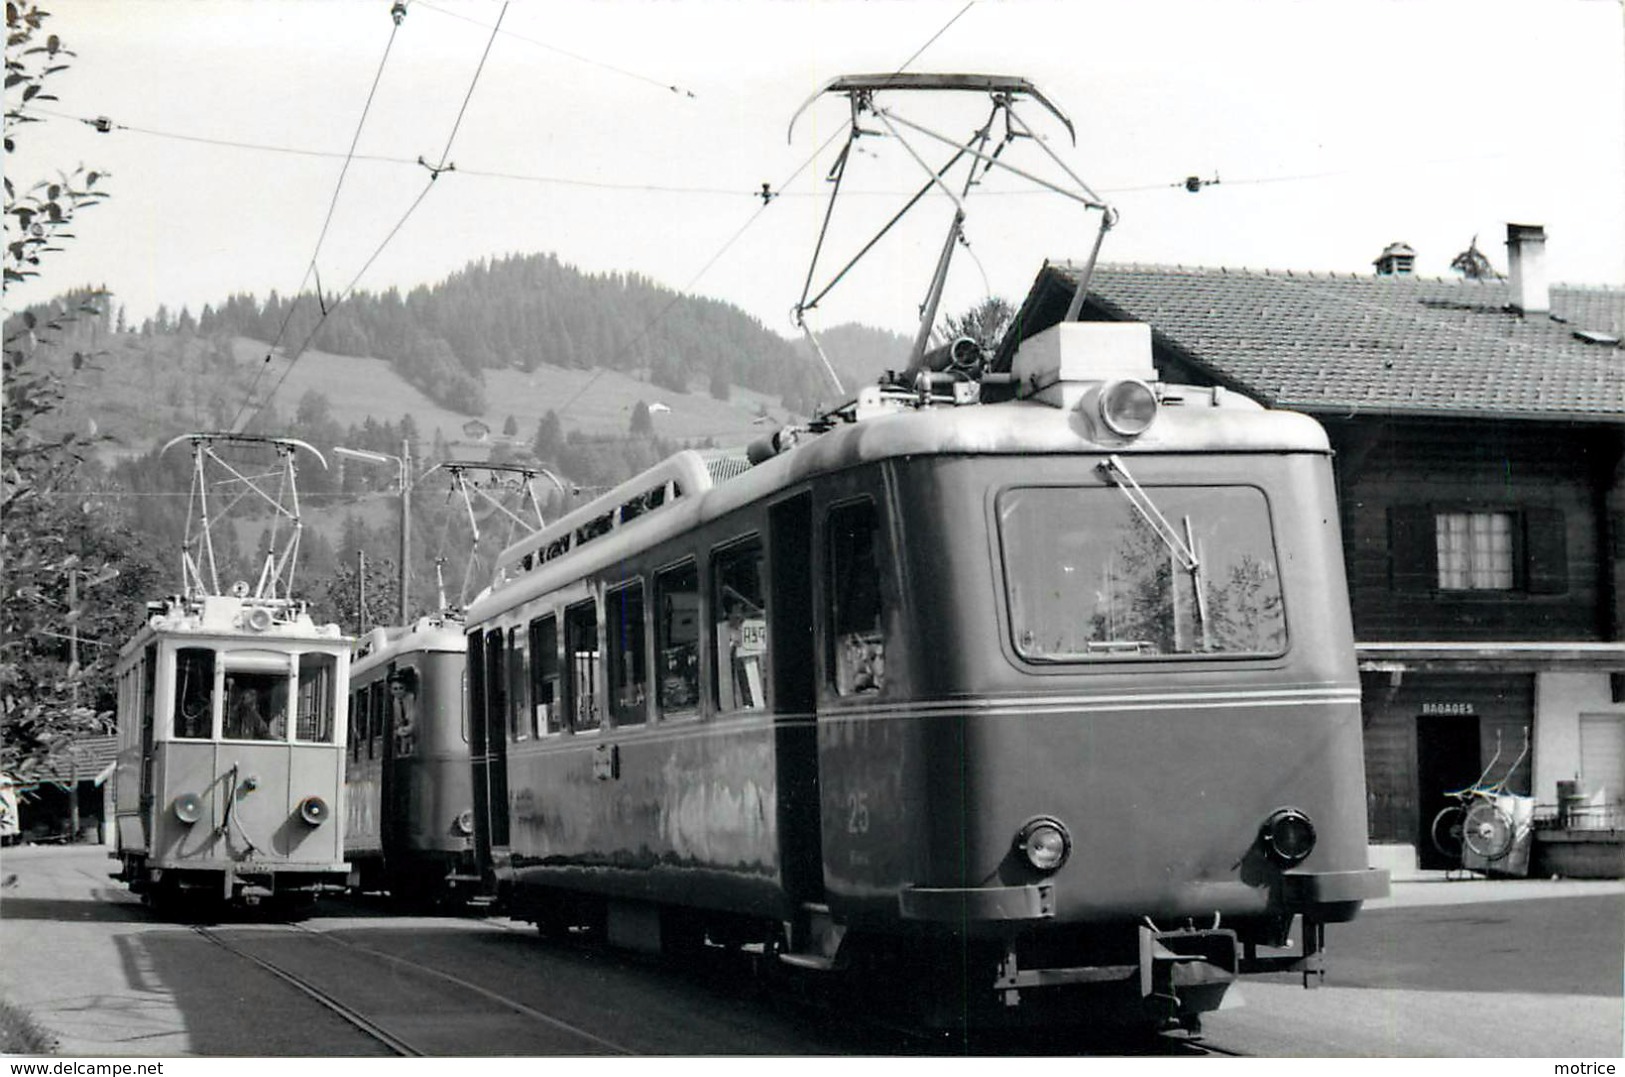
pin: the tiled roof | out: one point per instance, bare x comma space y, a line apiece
89, 755
1344, 344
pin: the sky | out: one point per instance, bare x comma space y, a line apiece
635, 135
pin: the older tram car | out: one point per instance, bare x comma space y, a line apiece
409, 821
1044, 707
230, 725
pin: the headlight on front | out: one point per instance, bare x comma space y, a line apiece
1288, 836
1044, 843
314, 811
464, 823
188, 808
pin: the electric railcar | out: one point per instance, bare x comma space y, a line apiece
230, 733
1033, 708
231, 711
409, 821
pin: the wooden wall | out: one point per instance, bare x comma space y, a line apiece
1385, 467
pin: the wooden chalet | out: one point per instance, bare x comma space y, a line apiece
1478, 427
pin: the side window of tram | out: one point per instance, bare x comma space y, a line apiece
581, 646
358, 722
544, 675
496, 687
194, 693
628, 673
377, 719
740, 607
315, 723
677, 639
519, 714
855, 616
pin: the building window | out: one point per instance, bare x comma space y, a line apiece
1463, 550
1475, 550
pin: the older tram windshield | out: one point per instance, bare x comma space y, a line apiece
1089, 578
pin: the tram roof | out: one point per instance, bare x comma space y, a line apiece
436, 632
700, 488
249, 622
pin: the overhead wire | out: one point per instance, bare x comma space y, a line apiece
678, 295
434, 174
768, 195
565, 52
705, 190
327, 221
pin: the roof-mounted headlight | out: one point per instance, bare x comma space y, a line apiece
1127, 407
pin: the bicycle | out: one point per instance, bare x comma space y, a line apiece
1476, 821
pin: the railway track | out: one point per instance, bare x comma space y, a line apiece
463, 1018
413, 1009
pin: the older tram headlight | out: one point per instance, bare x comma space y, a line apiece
314, 811
1127, 407
1288, 836
1044, 843
464, 823
188, 808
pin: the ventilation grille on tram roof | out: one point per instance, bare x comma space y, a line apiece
687, 473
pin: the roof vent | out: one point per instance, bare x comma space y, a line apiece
1397, 260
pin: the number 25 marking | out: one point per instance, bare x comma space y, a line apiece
857, 812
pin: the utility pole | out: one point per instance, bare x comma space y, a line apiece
361, 592
406, 529
73, 675
403, 483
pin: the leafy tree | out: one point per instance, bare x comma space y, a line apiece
642, 423
984, 323
337, 600
52, 537
510, 428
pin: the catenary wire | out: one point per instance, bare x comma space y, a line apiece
434, 174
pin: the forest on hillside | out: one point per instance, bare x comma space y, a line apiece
178, 371
527, 310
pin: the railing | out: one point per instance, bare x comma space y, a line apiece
1555, 817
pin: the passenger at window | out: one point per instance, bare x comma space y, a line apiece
403, 692
245, 721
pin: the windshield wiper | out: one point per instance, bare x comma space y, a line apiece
1181, 547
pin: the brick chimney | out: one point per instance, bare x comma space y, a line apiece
1526, 265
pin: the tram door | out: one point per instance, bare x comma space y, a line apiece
794, 697
399, 744
1448, 757
479, 741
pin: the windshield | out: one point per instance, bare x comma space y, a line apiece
1090, 578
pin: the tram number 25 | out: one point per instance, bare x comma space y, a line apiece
857, 811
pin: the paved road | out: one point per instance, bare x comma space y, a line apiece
1505, 968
